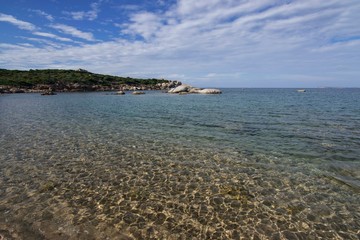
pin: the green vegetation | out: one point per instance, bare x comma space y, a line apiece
28, 79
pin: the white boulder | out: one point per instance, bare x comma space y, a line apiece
179, 89
195, 90
210, 91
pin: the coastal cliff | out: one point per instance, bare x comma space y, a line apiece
16, 81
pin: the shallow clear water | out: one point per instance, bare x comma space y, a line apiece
249, 163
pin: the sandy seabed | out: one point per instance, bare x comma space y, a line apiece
96, 191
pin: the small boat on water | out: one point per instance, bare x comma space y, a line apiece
301, 90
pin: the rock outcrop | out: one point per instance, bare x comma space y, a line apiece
48, 92
210, 91
77, 87
182, 89
179, 89
138, 93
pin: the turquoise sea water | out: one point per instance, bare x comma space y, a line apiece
249, 163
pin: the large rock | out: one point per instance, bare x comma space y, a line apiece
184, 88
48, 92
16, 90
179, 89
209, 91
195, 90
138, 93
167, 85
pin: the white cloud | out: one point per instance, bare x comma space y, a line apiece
161, 2
30, 27
145, 24
50, 35
48, 44
87, 15
44, 14
189, 7
339, 45
262, 43
73, 31
20, 24
8, 46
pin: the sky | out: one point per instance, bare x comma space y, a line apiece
204, 43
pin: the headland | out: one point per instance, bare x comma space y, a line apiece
80, 80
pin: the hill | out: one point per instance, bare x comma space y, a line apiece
74, 80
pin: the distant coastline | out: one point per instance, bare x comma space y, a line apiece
80, 80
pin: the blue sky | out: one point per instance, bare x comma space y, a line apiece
206, 43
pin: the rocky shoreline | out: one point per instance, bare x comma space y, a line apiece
51, 81
173, 87
76, 87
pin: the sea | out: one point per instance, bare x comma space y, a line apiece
244, 164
